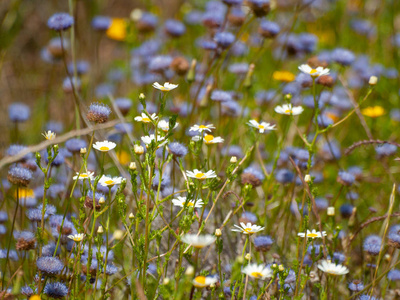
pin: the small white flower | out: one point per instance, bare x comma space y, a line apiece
261, 126
201, 128
200, 175
77, 237
183, 201
149, 138
208, 139
166, 87
202, 281
258, 271
331, 268
288, 109
145, 118
83, 176
110, 181
49, 135
247, 228
104, 146
164, 125
198, 241
313, 72
312, 234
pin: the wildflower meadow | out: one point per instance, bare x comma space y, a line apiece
222, 149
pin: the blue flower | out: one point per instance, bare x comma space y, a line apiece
263, 243
268, 29
177, 149
19, 176
19, 112
50, 266
75, 145
101, 23
224, 39
56, 290
60, 21
372, 244
174, 28
98, 112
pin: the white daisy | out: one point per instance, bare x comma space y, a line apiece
149, 138
77, 237
258, 271
312, 234
208, 139
331, 268
83, 176
247, 228
202, 281
261, 126
182, 201
104, 146
198, 241
110, 181
199, 175
145, 118
166, 87
201, 128
313, 72
289, 109
49, 135
164, 125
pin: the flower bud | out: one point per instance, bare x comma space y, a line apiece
331, 211
100, 230
233, 159
166, 281
189, 271
83, 150
248, 256
218, 232
288, 97
373, 80
138, 149
142, 96
118, 234
192, 71
307, 178
132, 166
131, 216
102, 200
281, 268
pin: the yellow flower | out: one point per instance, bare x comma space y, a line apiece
123, 157
117, 29
284, 76
34, 297
25, 193
373, 111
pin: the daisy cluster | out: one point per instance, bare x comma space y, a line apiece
221, 149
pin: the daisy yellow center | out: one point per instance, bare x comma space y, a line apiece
256, 274
248, 230
200, 279
104, 148
146, 120
261, 126
190, 203
199, 175
312, 235
84, 175
208, 138
202, 127
313, 71
288, 111
109, 181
